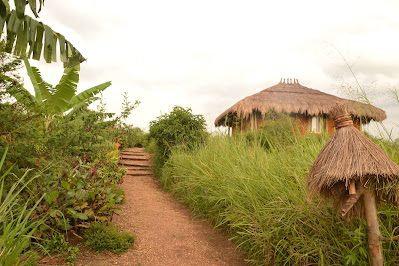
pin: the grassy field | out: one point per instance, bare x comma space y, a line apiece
254, 186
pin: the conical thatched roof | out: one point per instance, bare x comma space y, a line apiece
349, 155
291, 97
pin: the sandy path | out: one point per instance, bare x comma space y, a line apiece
166, 232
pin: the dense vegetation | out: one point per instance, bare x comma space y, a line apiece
60, 161
254, 186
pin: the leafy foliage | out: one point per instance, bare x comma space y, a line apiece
102, 236
179, 127
25, 34
52, 101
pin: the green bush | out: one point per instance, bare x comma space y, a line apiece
102, 236
177, 128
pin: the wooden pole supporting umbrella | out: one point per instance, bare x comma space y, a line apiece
350, 167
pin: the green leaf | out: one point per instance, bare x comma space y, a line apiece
32, 4
70, 193
23, 96
32, 34
20, 7
54, 49
63, 52
49, 197
37, 48
89, 212
111, 203
41, 90
6, 5
118, 211
111, 196
80, 194
87, 94
53, 212
64, 91
22, 40
78, 215
2, 21
65, 185
48, 44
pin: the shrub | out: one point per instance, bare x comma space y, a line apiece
179, 127
102, 236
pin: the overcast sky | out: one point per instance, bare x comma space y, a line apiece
208, 55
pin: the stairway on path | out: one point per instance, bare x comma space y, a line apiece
136, 161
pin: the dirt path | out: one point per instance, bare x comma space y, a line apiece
166, 232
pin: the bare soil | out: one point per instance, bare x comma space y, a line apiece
167, 233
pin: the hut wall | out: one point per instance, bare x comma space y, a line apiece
302, 121
331, 129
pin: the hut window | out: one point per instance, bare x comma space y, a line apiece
315, 124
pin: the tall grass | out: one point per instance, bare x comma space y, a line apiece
16, 227
260, 196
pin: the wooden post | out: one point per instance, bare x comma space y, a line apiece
373, 229
352, 187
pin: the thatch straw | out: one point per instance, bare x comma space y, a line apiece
349, 155
292, 98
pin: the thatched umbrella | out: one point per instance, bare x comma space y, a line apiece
351, 166
293, 98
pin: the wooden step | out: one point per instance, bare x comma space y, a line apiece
139, 173
133, 152
134, 149
134, 163
129, 167
134, 157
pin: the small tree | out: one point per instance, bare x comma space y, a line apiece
127, 107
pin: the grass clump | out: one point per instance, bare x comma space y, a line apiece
101, 236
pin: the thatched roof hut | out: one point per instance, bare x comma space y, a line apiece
290, 97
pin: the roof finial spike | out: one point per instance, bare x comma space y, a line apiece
297, 82
284, 81
281, 79
290, 81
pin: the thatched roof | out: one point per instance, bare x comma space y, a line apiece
349, 155
293, 98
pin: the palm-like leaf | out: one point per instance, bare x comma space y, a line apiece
87, 94
23, 96
76, 109
64, 91
40, 86
23, 31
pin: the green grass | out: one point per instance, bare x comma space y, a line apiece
16, 223
260, 196
102, 236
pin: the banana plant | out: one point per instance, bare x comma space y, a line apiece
58, 100
25, 34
